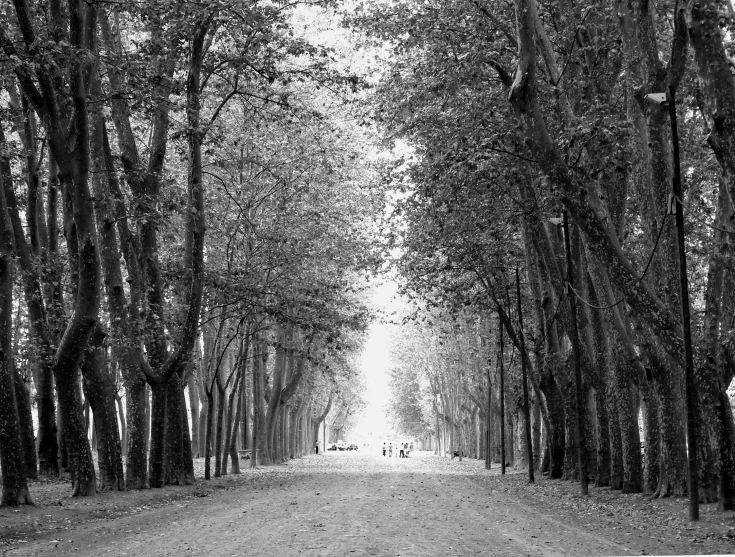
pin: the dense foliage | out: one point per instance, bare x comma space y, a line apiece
511, 114
187, 228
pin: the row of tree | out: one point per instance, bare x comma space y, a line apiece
519, 113
446, 390
182, 203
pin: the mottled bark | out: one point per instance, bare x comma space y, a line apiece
69, 145
616, 444
124, 313
208, 433
123, 425
41, 334
652, 439
136, 461
177, 453
157, 436
145, 183
279, 378
100, 391
716, 82
245, 427
260, 444
555, 435
232, 446
536, 434
12, 461
193, 391
167, 368
627, 421
220, 426
672, 479
25, 415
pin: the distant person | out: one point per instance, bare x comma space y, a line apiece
401, 453
316, 448
411, 447
390, 449
384, 448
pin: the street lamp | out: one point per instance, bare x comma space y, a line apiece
691, 395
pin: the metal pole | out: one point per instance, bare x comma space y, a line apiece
581, 448
502, 400
526, 407
488, 455
691, 393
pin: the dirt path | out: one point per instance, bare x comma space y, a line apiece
352, 504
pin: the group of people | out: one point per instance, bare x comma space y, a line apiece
402, 449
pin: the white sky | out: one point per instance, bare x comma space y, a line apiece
373, 426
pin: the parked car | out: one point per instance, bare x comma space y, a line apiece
341, 445
352, 447
331, 446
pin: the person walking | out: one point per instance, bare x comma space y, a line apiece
383, 448
390, 448
401, 453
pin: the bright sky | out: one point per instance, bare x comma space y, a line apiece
321, 26
374, 426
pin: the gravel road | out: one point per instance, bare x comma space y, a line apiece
343, 504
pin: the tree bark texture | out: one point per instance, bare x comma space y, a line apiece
12, 460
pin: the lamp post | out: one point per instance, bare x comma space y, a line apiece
502, 400
488, 432
691, 393
677, 208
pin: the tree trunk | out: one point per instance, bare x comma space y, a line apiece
25, 415
245, 412
234, 458
219, 432
12, 461
602, 424
203, 413
259, 404
75, 170
651, 439
123, 425
279, 373
61, 443
193, 410
101, 396
48, 449
186, 449
177, 453
164, 364
616, 444
209, 422
147, 399
136, 460
158, 437
230, 416
555, 436
628, 423
81, 465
